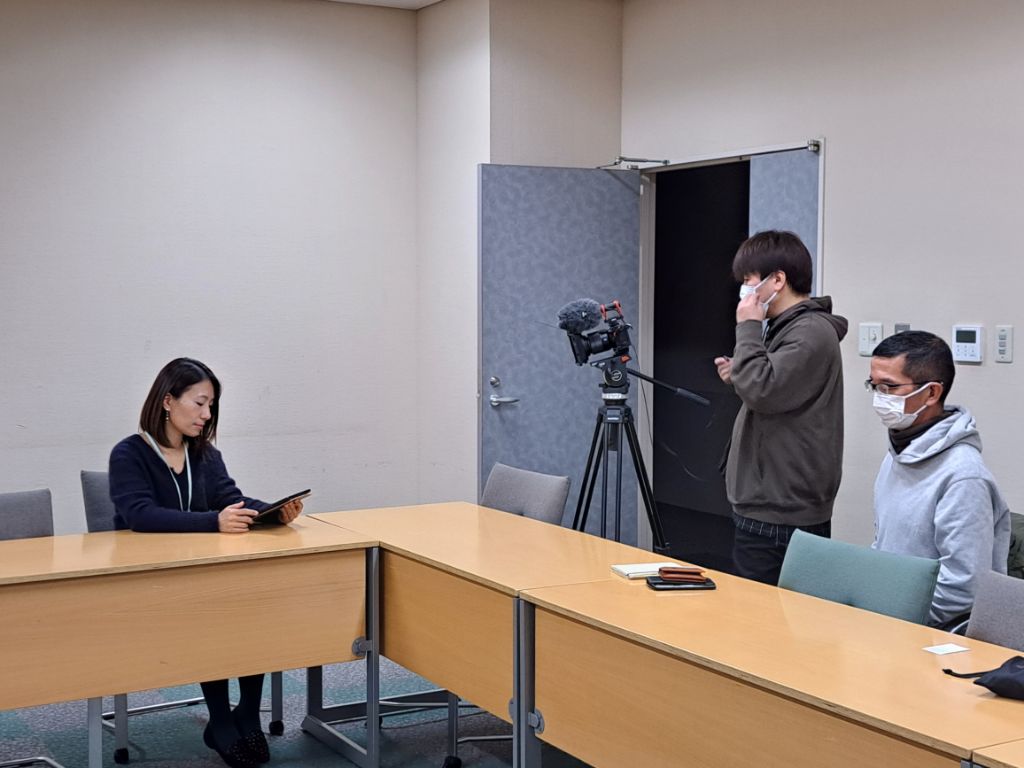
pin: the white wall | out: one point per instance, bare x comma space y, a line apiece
555, 81
453, 138
230, 180
503, 81
922, 107
246, 182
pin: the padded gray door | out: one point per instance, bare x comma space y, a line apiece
548, 236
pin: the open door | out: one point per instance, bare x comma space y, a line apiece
702, 214
549, 236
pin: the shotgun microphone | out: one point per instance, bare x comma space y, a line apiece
579, 315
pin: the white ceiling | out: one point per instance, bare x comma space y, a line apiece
411, 5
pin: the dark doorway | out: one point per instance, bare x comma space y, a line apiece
701, 217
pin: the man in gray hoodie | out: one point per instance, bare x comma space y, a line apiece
934, 497
786, 454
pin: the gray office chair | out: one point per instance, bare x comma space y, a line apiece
998, 612
526, 493
895, 585
99, 509
521, 492
99, 516
26, 515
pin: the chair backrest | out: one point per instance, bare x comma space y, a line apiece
522, 492
99, 509
998, 612
896, 585
26, 514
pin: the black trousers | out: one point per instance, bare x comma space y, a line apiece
758, 549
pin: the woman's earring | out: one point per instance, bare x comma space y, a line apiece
167, 415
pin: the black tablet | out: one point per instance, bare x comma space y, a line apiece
658, 583
272, 514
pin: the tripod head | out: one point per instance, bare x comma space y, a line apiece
615, 381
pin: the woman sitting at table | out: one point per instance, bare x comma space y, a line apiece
170, 478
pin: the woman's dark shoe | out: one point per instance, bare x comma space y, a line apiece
237, 755
257, 747
255, 742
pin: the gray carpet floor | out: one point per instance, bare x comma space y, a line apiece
173, 738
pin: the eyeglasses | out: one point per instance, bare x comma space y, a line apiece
886, 389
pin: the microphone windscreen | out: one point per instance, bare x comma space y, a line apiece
579, 315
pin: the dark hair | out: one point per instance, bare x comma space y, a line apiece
927, 357
775, 251
173, 379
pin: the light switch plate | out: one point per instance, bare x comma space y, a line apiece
1004, 344
870, 334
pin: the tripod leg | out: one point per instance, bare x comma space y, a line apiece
618, 483
598, 459
660, 545
608, 442
579, 521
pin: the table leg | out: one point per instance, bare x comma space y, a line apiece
318, 717
373, 602
94, 720
526, 721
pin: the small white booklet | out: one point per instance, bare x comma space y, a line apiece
638, 570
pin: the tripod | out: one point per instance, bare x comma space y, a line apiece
614, 418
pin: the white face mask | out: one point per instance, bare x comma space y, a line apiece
747, 290
890, 409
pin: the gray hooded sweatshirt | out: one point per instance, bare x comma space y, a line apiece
937, 499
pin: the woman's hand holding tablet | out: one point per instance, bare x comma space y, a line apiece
282, 511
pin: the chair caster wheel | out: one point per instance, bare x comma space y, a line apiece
121, 756
276, 727
452, 762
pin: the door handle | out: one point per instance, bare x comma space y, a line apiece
499, 401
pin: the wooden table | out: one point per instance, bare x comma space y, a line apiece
451, 576
496, 607
753, 675
1010, 755
103, 613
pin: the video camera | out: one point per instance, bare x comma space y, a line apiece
581, 315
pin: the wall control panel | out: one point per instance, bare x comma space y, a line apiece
968, 343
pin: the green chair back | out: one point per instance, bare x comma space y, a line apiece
1015, 558
895, 585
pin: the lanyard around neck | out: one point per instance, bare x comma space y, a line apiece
188, 470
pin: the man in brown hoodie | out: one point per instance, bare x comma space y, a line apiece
785, 458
